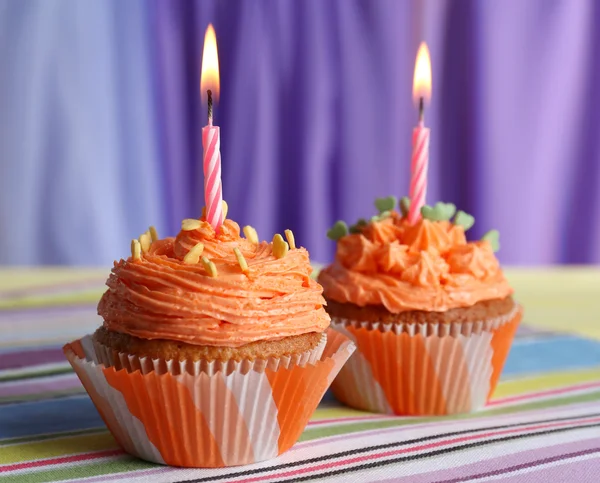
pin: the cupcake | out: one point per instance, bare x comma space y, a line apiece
215, 348
431, 313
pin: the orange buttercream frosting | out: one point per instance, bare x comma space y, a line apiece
160, 297
427, 266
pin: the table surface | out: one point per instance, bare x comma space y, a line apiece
542, 425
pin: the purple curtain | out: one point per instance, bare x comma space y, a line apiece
316, 114
101, 119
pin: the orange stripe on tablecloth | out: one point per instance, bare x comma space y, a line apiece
167, 422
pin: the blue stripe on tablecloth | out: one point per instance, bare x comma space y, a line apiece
48, 416
560, 353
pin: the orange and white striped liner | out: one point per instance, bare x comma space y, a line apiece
208, 418
433, 369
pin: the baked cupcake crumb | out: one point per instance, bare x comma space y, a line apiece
177, 350
482, 310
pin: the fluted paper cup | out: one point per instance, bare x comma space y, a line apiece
205, 414
424, 369
131, 362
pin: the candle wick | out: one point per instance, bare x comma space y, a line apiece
421, 110
210, 107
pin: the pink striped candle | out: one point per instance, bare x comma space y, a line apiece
420, 141
213, 190
211, 136
418, 168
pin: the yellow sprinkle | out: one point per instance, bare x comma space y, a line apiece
190, 224
280, 248
136, 250
241, 260
251, 234
289, 235
153, 234
193, 256
225, 209
209, 266
145, 242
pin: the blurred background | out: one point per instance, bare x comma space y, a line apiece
100, 119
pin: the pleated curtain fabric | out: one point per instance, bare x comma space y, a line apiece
101, 120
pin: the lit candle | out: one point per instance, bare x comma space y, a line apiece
420, 140
211, 138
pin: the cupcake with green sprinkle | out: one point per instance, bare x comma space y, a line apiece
431, 313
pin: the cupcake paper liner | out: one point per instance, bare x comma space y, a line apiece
207, 414
131, 363
424, 369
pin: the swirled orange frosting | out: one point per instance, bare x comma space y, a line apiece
427, 266
160, 297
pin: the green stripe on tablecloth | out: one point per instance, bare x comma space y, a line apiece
22, 278
62, 446
546, 381
335, 412
52, 300
121, 464
564, 298
316, 433
45, 437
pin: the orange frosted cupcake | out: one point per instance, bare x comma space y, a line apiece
222, 335
214, 297
432, 314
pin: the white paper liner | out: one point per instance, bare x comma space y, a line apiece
131, 362
209, 418
448, 370
453, 329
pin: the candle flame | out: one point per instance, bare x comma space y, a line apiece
209, 77
422, 78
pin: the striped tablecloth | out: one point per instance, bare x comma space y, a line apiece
543, 424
